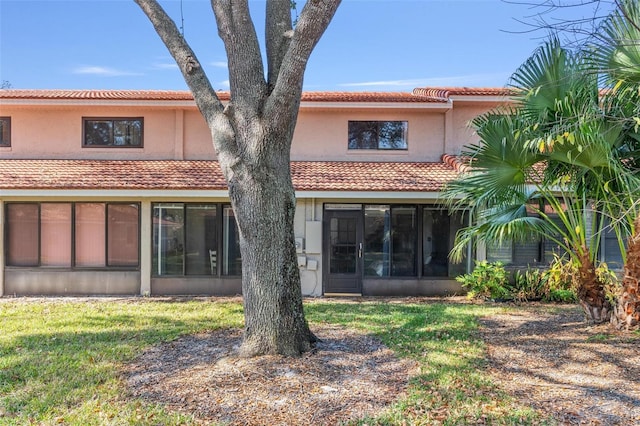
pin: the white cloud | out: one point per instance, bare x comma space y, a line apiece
492, 80
219, 64
166, 66
102, 71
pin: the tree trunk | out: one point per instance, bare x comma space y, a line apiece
591, 291
627, 310
252, 136
263, 199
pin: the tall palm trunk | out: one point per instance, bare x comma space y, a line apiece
627, 310
591, 291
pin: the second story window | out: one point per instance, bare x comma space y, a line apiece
5, 131
382, 135
112, 132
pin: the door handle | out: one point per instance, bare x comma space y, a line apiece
360, 251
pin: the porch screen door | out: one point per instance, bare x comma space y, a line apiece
343, 248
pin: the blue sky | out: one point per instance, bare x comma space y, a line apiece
371, 45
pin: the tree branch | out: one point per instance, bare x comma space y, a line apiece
279, 30
313, 22
186, 59
246, 70
204, 95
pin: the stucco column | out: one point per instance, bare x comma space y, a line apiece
145, 249
2, 256
448, 132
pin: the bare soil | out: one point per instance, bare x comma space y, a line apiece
349, 375
546, 356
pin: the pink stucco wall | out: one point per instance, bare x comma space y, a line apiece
55, 131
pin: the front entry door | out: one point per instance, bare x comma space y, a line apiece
343, 248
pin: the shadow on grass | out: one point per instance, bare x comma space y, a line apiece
451, 387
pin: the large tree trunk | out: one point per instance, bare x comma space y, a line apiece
252, 136
591, 291
263, 200
627, 310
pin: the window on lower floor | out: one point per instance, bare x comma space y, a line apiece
23, 234
439, 229
232, 264
610, 251
5, 131
534, 251
81, 235
382, 135
55, 234
112, 132
394, 233
515, 253
122, 234
186, 240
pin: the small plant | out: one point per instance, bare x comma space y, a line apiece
529, 286
561, 296
487, 280
561, 281
612, 285
600, 337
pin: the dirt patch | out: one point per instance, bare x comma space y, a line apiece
349, 375
551, 359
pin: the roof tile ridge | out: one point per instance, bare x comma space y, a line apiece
456, 162
431, 92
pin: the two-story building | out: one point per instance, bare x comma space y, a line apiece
119, 192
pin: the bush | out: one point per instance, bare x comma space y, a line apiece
529, 285
563, 281
487, 280
561, 296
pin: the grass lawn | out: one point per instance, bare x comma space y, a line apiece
60, 358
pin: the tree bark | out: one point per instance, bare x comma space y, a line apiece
591, 292
626, 314
264, 203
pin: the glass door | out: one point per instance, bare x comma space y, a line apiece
343, 248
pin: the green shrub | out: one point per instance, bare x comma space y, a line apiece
561, 296
487, 280
529, 285
562, 281
611, 282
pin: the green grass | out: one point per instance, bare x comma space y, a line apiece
60, 359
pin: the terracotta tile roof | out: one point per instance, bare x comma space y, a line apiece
427, 95
121, 95
459, 163
370, 176
206, 175
367, 97
446, 92
111, 174
163, 95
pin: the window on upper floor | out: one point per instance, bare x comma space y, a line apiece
5, 131
380, 135
112, 132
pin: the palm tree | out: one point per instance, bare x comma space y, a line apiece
557, 150
616, 57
